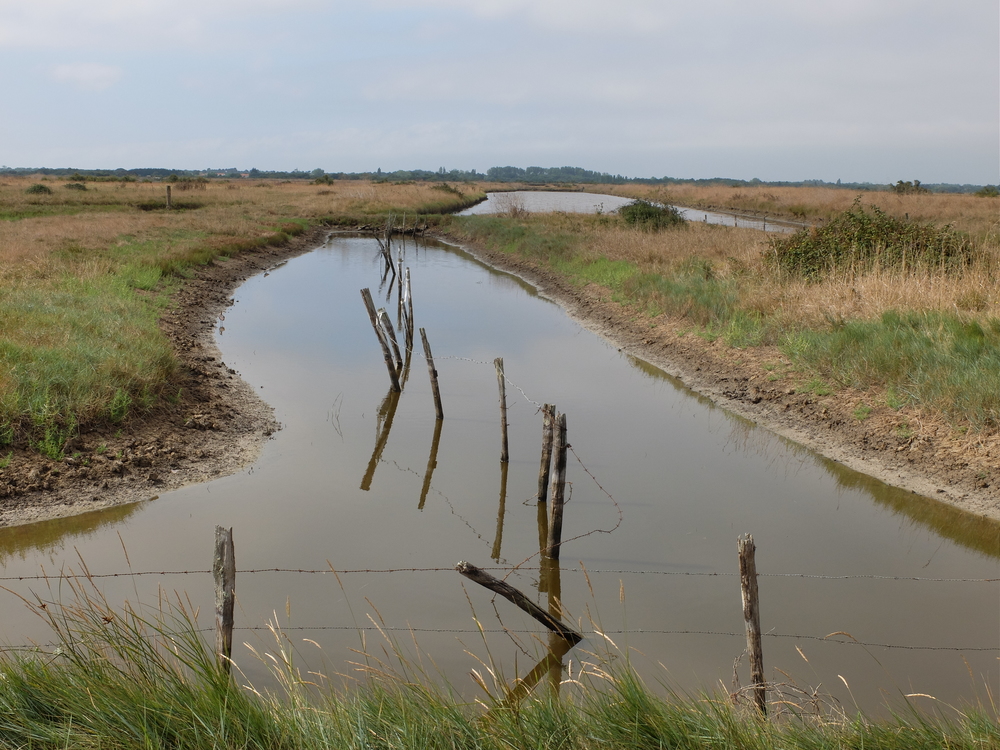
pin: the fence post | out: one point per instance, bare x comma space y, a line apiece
751, 614
558, 489
366, 295
224, 571
168, 197
504, 453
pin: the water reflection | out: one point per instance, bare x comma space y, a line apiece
49, 537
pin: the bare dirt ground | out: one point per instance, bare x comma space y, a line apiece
219, 424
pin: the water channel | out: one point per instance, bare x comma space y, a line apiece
838, 551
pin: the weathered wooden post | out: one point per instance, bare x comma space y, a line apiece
409, 310
501, 512
366, 295
224, 571
390, 334
548, 419
751, 615
504, 453
558, 489
169, 203
434, 374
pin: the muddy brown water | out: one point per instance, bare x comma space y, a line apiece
837, 550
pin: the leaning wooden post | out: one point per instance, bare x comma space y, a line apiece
558, 489
514, 596
434, 374
366, 295
224, 570
751, 614
383, 318
409, 309
504, 453
168, 197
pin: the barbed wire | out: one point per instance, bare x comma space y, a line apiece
523, 569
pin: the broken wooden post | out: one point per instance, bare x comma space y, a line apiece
558, 489
224, 571
434, 374
366, 295
390, 334
751, 614
504, 453
515, 597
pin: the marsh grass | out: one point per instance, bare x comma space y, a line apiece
135, 676
923, 328
85, 274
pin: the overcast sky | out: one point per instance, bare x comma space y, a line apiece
858, 90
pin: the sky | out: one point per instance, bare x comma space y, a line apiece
857, 90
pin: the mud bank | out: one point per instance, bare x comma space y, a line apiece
908, 448
213, 425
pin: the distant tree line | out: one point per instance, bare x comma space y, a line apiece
529, 175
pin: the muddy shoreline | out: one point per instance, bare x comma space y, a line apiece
218, 424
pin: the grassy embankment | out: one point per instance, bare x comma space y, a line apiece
883, 297
119, 679
85, 274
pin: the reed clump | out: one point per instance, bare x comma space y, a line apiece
134, 677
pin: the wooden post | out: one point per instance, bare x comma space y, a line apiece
434, 374
548, 418
498, 538
169, 203
751, 614
366, 295
514, 596
390, 334
224, 570
558, 489
409, 310
504, 453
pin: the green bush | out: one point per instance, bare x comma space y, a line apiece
75, 186
39, 189
861, 239
650, 217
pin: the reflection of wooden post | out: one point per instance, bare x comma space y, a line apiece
387, 412
431, 463
498, 538
514, 596
558, 489
366, 295
434, 374
504, 453
224, 571
409, 311
169, 203
751, 614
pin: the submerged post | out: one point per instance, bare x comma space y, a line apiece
224, 571
366, 295
504, 453
751, 614
433, 373
558, 488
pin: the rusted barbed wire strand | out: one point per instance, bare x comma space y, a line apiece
523, 569
508, 631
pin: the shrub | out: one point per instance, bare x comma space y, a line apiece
650, 216
75, 186
39, 189
860, 239
990, 191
